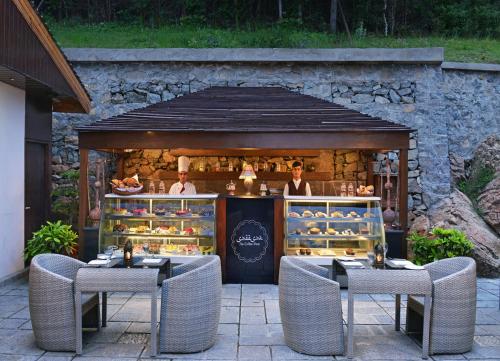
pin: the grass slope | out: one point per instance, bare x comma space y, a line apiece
130, 36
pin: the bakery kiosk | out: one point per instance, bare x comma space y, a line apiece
249, 233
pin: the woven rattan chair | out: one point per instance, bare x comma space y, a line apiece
453, 306
190, 306
310, 308
51, 302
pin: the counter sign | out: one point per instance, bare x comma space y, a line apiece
249, 241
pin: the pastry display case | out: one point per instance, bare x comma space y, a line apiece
175, 226
321, 228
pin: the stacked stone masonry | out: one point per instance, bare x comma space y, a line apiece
451, 111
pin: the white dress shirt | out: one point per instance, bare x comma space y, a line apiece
297, 183
176, 188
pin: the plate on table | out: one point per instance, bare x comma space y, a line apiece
346, 258
413, 266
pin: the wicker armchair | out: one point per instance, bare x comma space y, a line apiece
310, 308
51, 302
190, 306
453, 306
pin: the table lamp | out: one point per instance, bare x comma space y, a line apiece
248, 175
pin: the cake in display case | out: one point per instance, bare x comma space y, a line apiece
320, 228
175, 226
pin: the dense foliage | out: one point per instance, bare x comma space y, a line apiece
478, 179
51, 238
440, 243
388, 17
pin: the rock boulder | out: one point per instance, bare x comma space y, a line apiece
488, 203
457, 211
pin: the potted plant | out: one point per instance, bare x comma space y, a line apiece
52, 238
438, 244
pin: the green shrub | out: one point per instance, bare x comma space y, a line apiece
51, 238
439, 244
474, 185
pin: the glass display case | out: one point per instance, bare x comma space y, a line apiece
320, 228
175, 226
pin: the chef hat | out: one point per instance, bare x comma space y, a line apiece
183, 164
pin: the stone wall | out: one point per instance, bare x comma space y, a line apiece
452, 111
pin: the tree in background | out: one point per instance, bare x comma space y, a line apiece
394, 17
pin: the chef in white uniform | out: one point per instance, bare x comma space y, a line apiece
183, 186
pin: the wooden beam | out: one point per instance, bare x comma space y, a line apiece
83, 199
39, 29
403, 195
245, 152
217, 140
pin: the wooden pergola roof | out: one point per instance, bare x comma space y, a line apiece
244, 117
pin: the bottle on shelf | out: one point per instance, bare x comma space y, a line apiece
343, 190
161, 187
265, 166
151, 188
127, 253
256, 165
217, 166
378, 250
230, 166
350, 190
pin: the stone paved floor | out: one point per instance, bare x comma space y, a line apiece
249, 329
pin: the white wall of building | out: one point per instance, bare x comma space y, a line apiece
12, 117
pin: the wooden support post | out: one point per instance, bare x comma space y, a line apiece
221, 233
279, 221
403, 195
83, 198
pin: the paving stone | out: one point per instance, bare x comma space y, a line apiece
94, 358
252, 302
487, 340
23, 314
487, 304
11, 323
5, 357
231, 291
447, 357
234, 302
117, 300
55, 358
225, 348
482, 352
259, 292
252, 315
228, 329
18, 292
134, 338
26, 326
487, 316
394, 347
112, 350
18, 342
110, 333
230, 315
257, 353
486, 296
261, 335
382, 297
139, 327
493, 330
272, 311
282, 353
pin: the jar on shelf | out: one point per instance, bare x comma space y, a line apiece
161, 187
350, 190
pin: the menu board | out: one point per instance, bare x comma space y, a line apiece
250, 246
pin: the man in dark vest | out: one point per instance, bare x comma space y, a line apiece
296, 187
